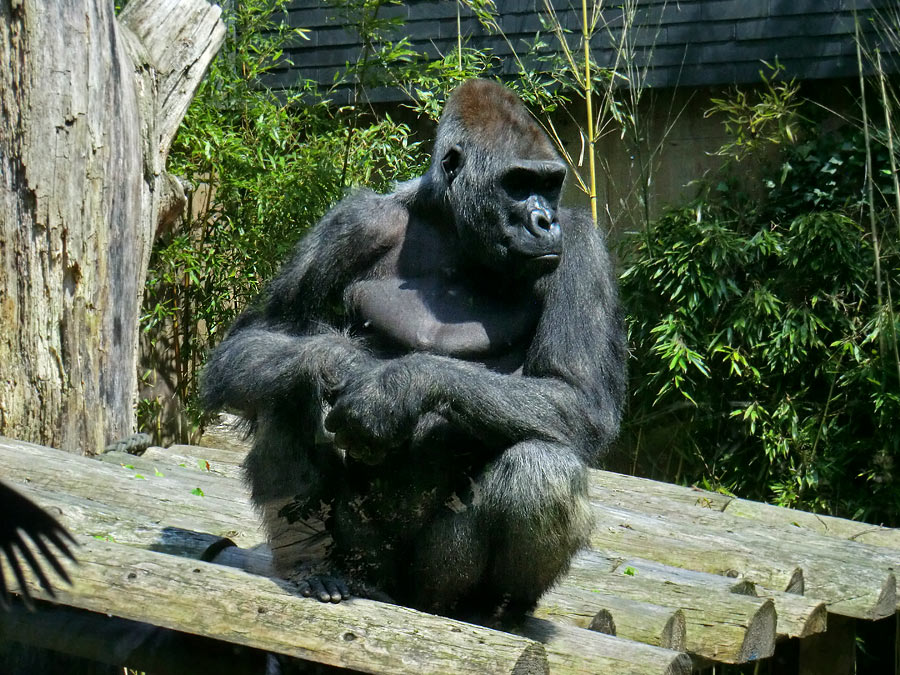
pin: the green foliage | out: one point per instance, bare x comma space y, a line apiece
763, 362
428, 84
759, 117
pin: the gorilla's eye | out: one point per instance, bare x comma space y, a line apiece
551, 185
520, 182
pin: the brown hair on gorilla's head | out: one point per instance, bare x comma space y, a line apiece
494, 116
482, 120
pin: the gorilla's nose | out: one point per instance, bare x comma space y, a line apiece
541, 218
542, 223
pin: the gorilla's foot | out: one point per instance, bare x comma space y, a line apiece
324, 587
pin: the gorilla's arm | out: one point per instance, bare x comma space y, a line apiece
291, 338
573, 387
262, 365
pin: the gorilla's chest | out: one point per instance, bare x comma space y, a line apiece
434, 314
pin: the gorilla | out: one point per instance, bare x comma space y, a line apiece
21, 515
430, 376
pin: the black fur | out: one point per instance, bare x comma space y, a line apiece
430, 376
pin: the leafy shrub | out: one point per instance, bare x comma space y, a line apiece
764, 363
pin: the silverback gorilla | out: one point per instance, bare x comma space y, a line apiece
430, 375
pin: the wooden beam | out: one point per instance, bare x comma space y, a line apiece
854, 579
644, 622
697, 498
577, 651
723, 627
223, 510
798, 616
231, 605
117, 642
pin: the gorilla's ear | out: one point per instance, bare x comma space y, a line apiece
452, 163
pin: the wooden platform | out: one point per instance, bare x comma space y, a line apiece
676, 577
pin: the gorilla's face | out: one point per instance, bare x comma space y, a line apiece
506, 210
528, 198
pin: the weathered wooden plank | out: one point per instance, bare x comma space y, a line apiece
125, 527
124, 522
223, 511
644, 622
219, 461
854, 579
841, 528
232, 605
798, 616
745, 508
187, 470
188, 536
111, 501
575, 651
118, 642
228, 433
718, 626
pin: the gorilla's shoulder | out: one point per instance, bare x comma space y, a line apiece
367, 216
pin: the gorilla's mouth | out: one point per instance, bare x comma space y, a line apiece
544, 263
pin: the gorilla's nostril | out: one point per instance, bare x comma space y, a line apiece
540, 223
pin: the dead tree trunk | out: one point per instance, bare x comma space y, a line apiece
90, 104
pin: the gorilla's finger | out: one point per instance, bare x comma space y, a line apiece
318, 589
336, 589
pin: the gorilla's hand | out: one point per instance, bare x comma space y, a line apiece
378, 410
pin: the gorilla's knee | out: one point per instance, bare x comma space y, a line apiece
534, 499
540, 485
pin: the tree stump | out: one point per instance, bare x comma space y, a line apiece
91, 103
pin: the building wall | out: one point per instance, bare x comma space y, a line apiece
686, 139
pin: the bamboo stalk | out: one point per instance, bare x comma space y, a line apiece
870, 198
588, 88
886, 103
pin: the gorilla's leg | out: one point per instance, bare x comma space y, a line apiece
503, 544
535, 498
449, 564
